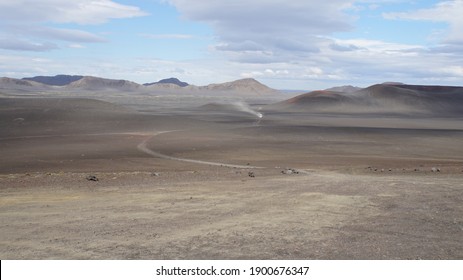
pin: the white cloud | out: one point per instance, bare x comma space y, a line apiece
24, 24
268, 30
62, 34
447, 11
76, 46
76, 11
26, 45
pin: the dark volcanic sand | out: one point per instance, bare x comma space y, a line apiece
365, 188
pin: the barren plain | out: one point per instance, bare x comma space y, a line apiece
193, 183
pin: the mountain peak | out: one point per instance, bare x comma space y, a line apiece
243, 87
248, 81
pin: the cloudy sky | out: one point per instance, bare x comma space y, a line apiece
298, 44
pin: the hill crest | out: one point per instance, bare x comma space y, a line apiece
173, 81
96, 83
58, 80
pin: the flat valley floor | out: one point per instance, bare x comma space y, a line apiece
201, 185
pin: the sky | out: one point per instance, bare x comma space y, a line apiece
298, 44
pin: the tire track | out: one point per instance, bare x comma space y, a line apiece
143, 147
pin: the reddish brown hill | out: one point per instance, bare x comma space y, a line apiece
383, 98
320, 100
319, 96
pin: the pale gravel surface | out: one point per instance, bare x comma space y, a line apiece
224, 214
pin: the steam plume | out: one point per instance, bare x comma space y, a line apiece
245, 108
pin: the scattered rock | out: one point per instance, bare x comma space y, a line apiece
251, 174
289, 171
92, 178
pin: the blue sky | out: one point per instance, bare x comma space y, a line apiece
299, 44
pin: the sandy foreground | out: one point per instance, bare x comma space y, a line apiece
180, 215
200, 186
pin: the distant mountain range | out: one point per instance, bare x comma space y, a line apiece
381, 98
62, 80
68, 83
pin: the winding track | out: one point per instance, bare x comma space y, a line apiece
144, 148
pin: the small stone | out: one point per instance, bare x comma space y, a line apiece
92, 178
251, 174
155, 174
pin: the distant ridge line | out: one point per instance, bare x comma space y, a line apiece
58, 80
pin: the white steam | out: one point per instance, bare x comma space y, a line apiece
245, 108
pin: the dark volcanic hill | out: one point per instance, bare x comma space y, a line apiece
58, 80
173, 81
382, 98
318, 98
